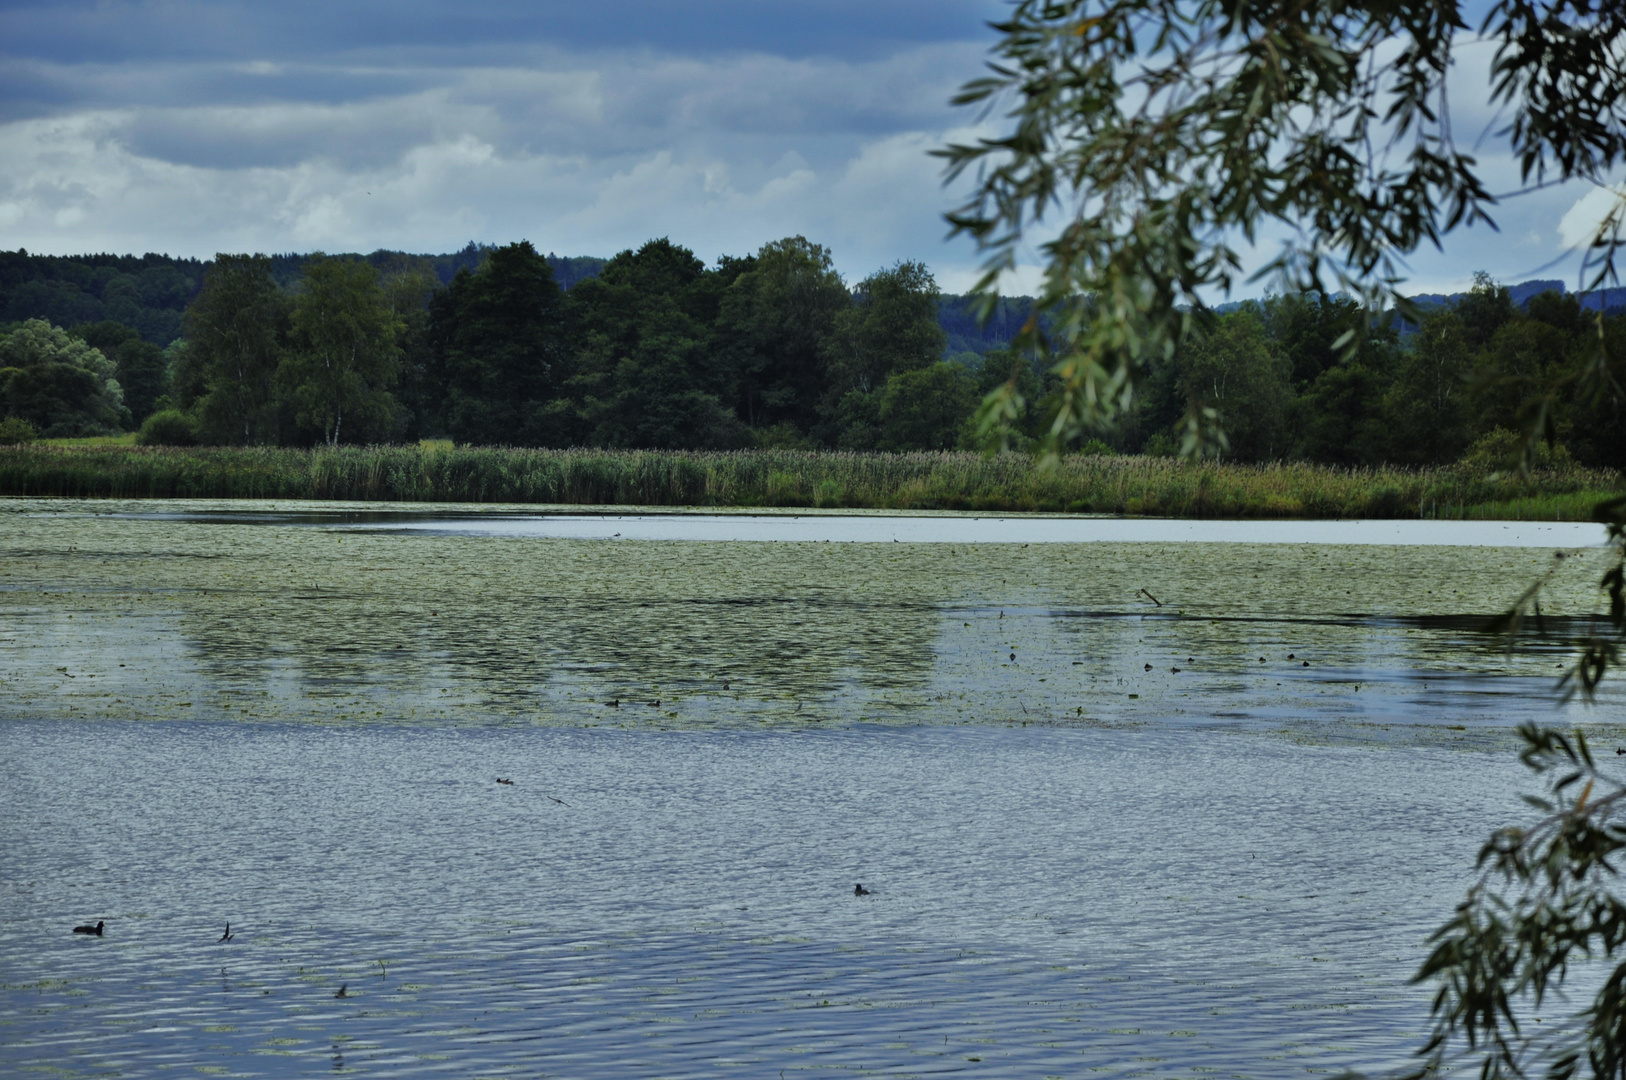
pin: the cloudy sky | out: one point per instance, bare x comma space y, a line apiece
587, 126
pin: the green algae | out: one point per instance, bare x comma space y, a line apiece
107, 617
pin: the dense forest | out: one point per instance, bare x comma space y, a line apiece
655, 349
148, 293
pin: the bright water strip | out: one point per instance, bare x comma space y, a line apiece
836, 527
1015, 530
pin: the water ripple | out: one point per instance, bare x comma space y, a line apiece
1045, 902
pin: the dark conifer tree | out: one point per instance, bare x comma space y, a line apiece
497, 342
650, 374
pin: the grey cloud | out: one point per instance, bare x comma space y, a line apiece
356, 136
749, 110
628, 100
39, 88
761, 94
81, 30
192, 126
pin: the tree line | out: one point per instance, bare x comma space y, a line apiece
1465, 380
654, 348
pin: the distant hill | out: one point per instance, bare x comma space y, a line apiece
1521, 293
957, 316
1610, 300
149, 292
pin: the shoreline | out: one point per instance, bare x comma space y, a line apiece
806, 481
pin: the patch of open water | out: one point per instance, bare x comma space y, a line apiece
803, 526
1045, 902
1112, 821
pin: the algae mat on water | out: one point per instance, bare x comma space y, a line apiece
253, 620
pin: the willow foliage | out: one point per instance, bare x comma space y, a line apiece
1158, 136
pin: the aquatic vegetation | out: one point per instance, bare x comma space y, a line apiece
250, 618
790, 478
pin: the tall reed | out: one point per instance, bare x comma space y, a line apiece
922, 481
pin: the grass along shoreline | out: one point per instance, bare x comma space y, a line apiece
1161, 487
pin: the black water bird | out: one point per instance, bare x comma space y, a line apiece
859, 890
500, 780
97, 929
227, 935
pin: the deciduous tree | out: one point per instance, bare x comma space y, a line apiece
235, 330
925, 408
342, 358
59, 384
890, 328
1425, 409
776, 322
141, 367
1234, 370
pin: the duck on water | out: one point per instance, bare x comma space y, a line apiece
97, 929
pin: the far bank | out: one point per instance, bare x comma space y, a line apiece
1151, 486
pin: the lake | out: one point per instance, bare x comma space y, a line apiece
1130, 797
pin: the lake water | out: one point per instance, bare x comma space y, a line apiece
847, 527
295, 722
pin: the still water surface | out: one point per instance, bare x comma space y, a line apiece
942, 528
1078, 866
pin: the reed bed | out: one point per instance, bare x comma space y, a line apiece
770, 478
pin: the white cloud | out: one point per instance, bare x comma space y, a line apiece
582, 153
582, 156
1582, 223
